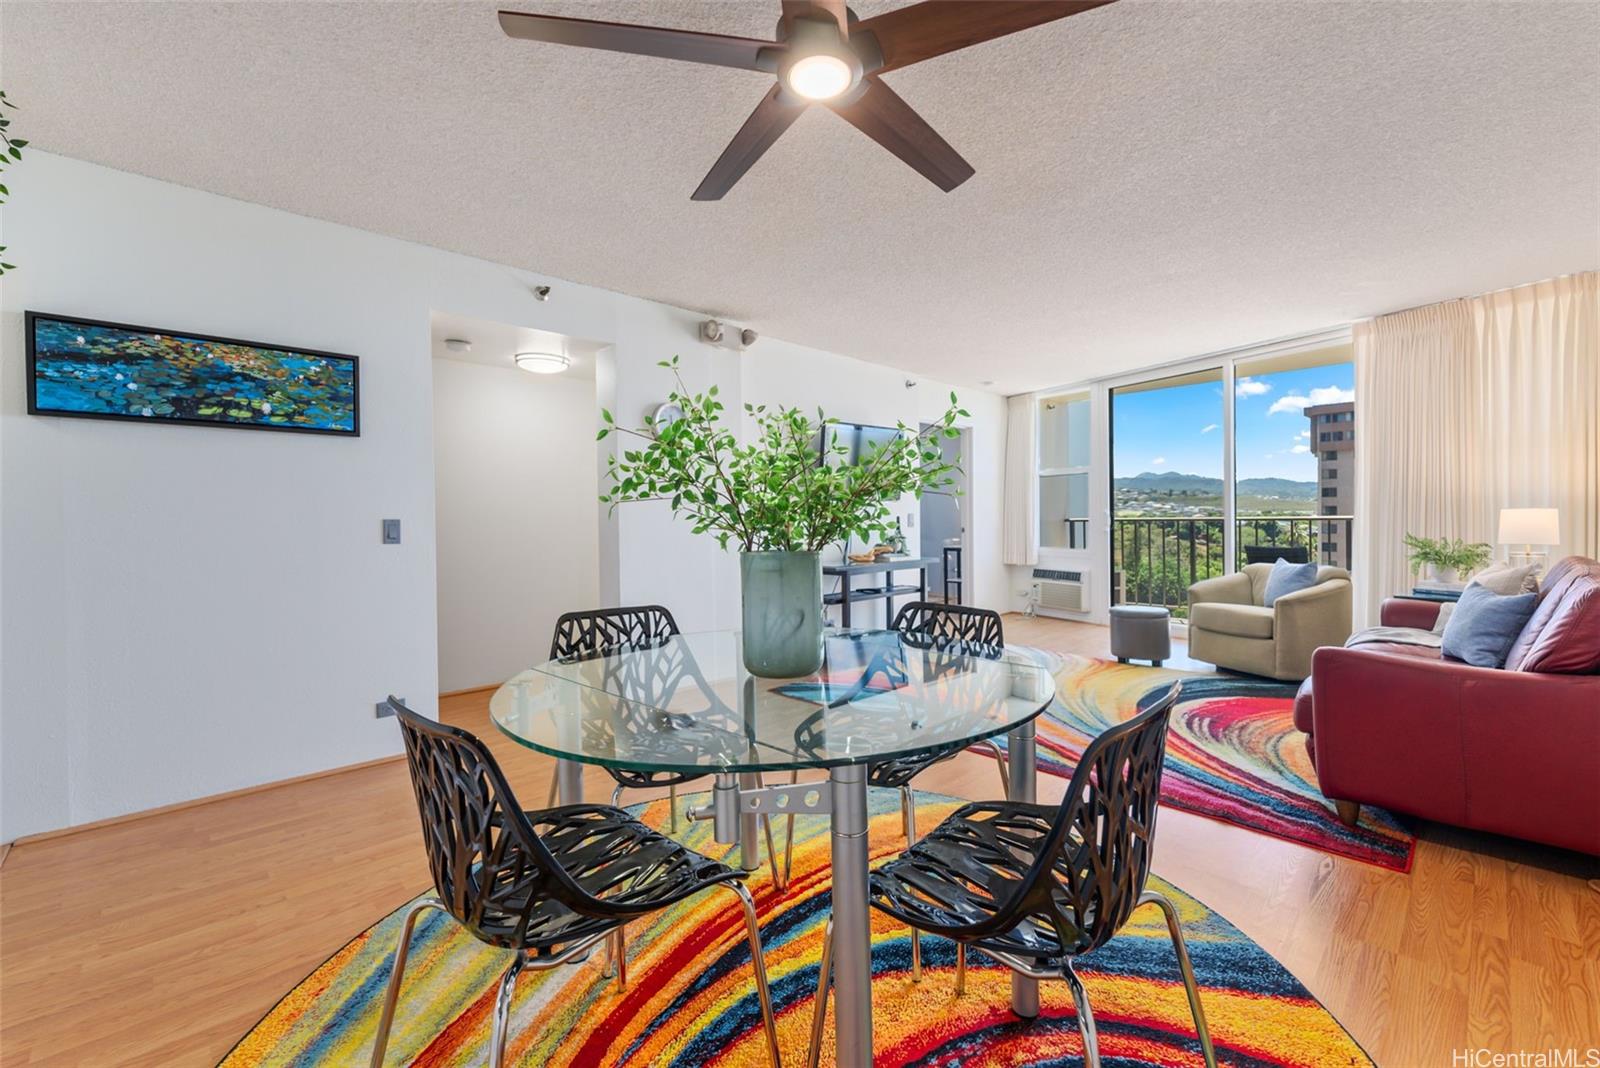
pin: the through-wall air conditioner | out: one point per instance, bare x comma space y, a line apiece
1060, 591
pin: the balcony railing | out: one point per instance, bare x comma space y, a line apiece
1155, 560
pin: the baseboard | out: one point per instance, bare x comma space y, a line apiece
178, 806
470, 690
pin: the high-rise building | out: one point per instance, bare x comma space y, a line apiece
1333, 443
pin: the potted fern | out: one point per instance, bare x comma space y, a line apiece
1449, 559
775, 499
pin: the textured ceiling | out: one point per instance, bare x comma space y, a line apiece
1153, 179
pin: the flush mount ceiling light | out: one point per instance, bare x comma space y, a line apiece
543, 363
822, 54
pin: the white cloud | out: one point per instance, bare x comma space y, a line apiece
1304, 434
1301, 448
1295, 403
1208, 428
1249, 387
1158, 461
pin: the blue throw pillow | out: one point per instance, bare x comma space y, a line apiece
1286, 578
1485, 624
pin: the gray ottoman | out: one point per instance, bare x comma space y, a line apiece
1140, 631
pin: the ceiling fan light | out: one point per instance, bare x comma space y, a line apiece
820, 77
542, 363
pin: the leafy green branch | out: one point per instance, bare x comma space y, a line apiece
774, 493
10, 151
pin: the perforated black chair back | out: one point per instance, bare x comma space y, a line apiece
600, 632
924, 622
488, 864
1090, 874
603, 631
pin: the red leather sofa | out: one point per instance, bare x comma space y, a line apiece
1513, 751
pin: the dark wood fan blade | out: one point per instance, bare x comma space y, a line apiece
912, 34
890, 121
687, 45
775, 114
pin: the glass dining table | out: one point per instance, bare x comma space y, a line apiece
688, 705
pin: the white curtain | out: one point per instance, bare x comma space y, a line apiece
1021, 517
1470, 406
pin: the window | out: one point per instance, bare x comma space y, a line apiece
1330, 547
1064, 471
1330, 509
1168, 507
1330, 455
1330, 472
1330, 491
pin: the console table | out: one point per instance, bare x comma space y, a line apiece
849, 593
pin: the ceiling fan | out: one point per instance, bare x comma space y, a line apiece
823, 55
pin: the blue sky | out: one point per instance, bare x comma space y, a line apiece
1180, 429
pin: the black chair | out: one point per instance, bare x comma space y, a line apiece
1038, 886
946, 628
602, 632
546, 884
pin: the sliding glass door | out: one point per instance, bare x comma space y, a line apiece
1294, 457
1250, 460
1167, 480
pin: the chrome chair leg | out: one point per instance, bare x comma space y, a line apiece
788, 837
616, 796
819, 1010
1190, 987
1005, 769
908, 800
672, 807
780, 882
502, 1010
620, 939
753, 931
392, 996
1080, 997
961, 968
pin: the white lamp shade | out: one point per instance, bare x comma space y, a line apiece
1530, 526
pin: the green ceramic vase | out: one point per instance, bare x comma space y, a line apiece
782, 593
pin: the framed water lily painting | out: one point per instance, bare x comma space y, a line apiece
96, 370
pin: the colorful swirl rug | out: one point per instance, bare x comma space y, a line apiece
1233, 754
691, 998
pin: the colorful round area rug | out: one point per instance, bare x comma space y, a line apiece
1233, 754
691, 1001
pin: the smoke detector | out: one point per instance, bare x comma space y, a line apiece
458, 345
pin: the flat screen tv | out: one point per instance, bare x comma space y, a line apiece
860, 442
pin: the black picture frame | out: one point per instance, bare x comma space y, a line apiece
30, 318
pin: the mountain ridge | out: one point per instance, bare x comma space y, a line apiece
1179, 482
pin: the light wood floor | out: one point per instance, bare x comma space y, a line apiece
160, 941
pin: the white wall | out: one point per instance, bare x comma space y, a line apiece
188, 610
517, 527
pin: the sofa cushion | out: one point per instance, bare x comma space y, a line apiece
1502, 578
1287, 578
1484, 625
1567, 572
1240, 620
1569, 642
1302, 707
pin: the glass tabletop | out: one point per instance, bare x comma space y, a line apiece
688, 705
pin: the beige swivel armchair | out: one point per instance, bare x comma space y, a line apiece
1229, 626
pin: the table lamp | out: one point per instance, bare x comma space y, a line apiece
1529, 527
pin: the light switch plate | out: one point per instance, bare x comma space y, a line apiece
391, 532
